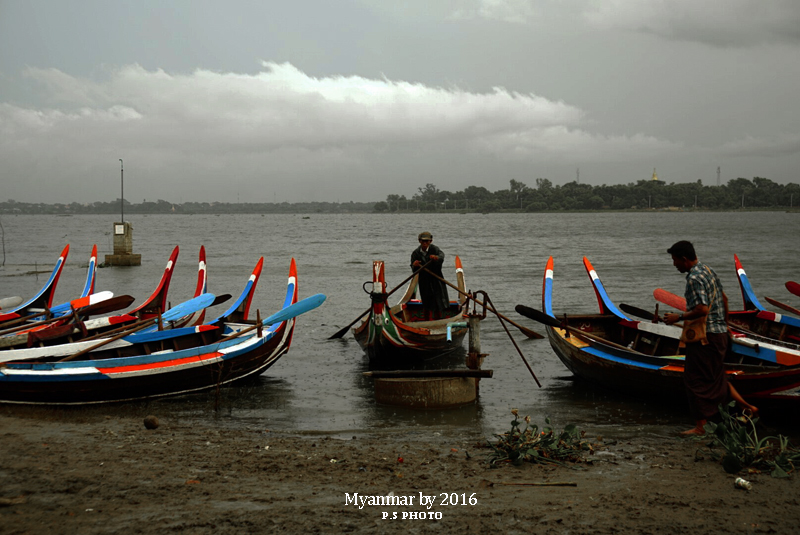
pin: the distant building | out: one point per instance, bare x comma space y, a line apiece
655, 176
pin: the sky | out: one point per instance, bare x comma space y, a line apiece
354, 100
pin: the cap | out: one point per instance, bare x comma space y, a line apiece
425, 235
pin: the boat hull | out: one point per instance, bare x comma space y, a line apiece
133, 378
628, 372
397, 336
621, 355
141, 371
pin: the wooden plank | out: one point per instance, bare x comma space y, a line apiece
429, 374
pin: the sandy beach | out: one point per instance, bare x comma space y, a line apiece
106, 474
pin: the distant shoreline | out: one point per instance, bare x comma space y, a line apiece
345, 211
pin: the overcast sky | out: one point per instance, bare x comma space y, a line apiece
265, 101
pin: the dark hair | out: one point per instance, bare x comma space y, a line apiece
683, 249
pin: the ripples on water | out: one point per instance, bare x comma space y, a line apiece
319, 387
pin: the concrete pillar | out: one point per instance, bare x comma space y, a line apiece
123, 247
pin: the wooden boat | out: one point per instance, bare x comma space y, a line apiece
757, 320
171, 324
398, 334
157, 302
43, 299
206, 359
617, 354
75, 326
91, 275
757, 332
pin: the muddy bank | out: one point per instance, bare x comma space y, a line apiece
112, 475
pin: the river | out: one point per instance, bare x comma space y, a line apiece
318, 386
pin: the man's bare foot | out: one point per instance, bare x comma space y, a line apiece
751, 411
699, 429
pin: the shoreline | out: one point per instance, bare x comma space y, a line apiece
107, 474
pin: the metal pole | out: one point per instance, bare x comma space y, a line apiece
122, 194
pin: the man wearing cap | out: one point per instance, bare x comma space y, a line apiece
433, 292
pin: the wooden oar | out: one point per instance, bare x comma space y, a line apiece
80, 302
220, 299
301, 307
184, 309
341, 332
488, 299
669, 298
793, 287
544, 319
86, 300
131, 329
97, 309
640, 312
784, 306
524, 330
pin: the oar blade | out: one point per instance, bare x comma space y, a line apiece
670, 299
293, 310
793, 287
638, 312
189, 307
784, 306
109, 305
536, 315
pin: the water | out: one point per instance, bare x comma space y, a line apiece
319, 388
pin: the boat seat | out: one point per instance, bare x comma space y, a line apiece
412, 311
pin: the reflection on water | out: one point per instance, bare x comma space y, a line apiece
319, 387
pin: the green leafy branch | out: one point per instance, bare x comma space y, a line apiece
530, 444
742, 447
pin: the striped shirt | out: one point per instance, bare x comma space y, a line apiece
704, 288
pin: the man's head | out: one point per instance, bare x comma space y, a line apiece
425, 239
683, 255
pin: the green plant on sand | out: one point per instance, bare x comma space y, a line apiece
737, 436
530, 444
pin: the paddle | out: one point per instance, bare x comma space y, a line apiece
543, 318
669, 298
188, 307
640, 312
341, 332
793, 287
488, 299
784, 306
527, 332
103, 307
220, 299
82, 302
293, 310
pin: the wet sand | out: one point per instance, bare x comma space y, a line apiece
110, 474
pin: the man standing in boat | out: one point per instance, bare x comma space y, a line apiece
704, 367
433, 292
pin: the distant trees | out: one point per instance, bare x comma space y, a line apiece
758, 193
165, 207
644, 194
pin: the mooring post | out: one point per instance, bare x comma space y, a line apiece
474, 323
474, 357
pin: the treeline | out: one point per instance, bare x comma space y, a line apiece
759, 193
165, 207
644, 194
